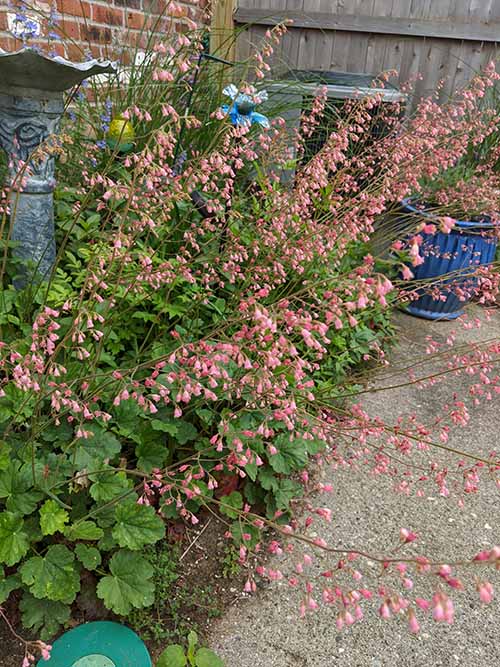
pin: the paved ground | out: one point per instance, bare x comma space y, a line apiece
265, 630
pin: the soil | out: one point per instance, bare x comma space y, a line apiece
202, 554
12, 650
202, 566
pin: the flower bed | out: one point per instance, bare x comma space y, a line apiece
179, 360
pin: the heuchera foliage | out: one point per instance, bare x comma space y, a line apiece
176, 361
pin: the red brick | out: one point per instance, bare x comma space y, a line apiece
69, 29
75, 52
155, 6
97, 34
4, 25
138, 39
74, 8
107, 16
135, 20
9, 43
130, 4
95, 49
59, 48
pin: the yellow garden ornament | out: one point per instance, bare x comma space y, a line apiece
121, 135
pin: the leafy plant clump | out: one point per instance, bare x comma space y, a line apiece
176, 656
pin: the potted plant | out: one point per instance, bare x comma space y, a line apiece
456, 232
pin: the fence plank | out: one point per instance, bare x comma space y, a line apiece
222, 29
386, 25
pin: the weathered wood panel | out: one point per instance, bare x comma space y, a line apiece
382, 25
442, 42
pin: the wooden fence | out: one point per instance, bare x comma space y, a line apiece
438, 39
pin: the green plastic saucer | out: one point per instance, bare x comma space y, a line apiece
99, 644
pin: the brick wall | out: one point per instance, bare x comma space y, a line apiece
104, 29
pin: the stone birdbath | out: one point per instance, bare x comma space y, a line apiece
32, 89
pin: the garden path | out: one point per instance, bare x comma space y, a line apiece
265, 630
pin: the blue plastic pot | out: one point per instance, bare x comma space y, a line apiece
458, 253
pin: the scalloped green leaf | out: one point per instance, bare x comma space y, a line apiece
54, 576
129, 583
14, 542
207, 658
291, 456
173, 656
5, 450
101, 446
109, 485
185, 432
52, 518
8, 585
89, 557
137, 526
84, 530
151, 455
167, 426
233, 500
16, 486
44, 617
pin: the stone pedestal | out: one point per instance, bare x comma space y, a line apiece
31, 106
28, 132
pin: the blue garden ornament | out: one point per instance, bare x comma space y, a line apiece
242, 110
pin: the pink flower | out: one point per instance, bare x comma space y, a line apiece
413, 623
406, 273
384, 611
446, 224
407, 536
485, 592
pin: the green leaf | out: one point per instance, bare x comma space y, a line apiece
107, 542
287, 491
14, 543
44, 617
251, 470
169, 427
207, 658
267, 479
240, 532
17, 487
102, 446
85, 530
172, 656
61, 433
109, 485
5, 459
129, 584
192, 642
207, 416
127, 417
291, 456
5, 413
8, 585
151, 455
52, 517
233, 500
314, 446
137, 526
185, 432
54, 576
90, 557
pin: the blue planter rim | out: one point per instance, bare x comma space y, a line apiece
461, 224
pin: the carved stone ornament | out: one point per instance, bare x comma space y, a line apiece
31, 106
